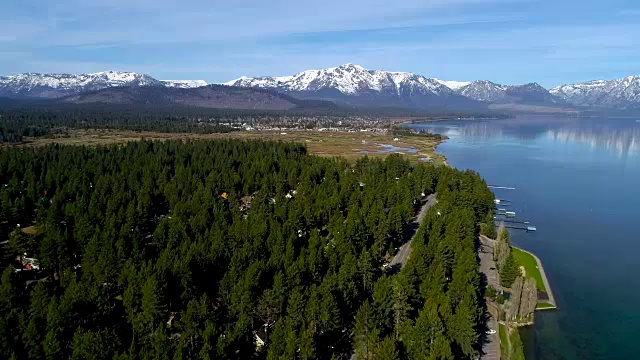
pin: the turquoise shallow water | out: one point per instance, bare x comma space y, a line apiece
578, 181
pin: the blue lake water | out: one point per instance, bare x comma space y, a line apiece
386, 148
578, 182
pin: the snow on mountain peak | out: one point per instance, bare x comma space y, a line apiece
349, 79
618, 93
453, 85
487, 91
57, 85
184, 84
351, 67
484, 90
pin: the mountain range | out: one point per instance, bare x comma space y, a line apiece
34, 85
209, 96
128, 88
620, 93
355, 83
348, 85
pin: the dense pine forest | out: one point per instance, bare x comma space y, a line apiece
234, 249
16, 123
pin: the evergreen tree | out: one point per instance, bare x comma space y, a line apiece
184, 249
386, 349
509, 271
364, 333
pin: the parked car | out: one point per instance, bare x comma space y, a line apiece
490, 332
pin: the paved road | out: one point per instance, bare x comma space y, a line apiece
491, 348
487, 265
404, 252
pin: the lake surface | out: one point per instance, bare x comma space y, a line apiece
578, 181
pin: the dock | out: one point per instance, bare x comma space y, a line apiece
507, 220
511, 223
498, 201
507, 213
501, 187
508, 217
526, 228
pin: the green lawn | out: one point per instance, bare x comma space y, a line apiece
530, 266
503, 336
517, 350
543, 306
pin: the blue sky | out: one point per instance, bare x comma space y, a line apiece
507, 41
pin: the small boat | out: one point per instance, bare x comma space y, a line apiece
510, 213
531, 228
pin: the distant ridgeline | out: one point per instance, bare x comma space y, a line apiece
233, 249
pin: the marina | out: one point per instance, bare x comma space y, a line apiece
508, 217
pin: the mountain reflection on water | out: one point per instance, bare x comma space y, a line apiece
618, 136
620, 142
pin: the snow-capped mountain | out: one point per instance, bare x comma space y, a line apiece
349, 79
58, 85
453, 85
487, 91
484, 90
619, 93
184, 84
260, 82
356, 85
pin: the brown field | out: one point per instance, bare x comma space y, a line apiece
351, 145
30, 230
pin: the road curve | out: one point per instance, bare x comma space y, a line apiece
404, 252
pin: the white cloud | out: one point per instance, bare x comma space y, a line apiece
144, 21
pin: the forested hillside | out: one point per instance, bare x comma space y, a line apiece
170, 250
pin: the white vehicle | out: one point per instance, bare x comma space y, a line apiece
490, 332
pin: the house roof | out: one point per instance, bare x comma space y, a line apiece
262, 333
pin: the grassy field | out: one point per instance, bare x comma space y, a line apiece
544, 306
530, 266
351, 145
511, 347
503, 339
517, 348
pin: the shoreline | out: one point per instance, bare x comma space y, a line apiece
543, 274
434, 120
545, 280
